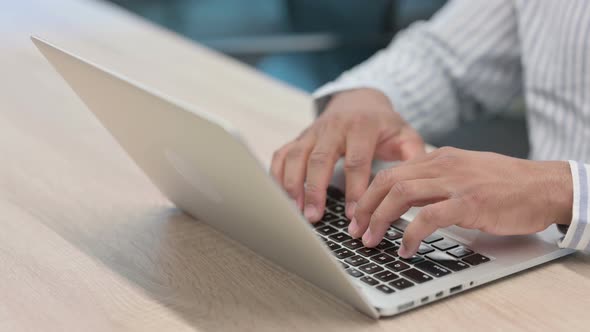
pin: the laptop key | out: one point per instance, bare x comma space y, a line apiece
342, 253
369, 280
326, 230
340, 223
353, 244
356, 260
476, 259
330, 202
412, 260
340, 237
371, 268
337, 209
328, 216
416, 276
392, 251
345, 266
433, 269
354, 273
335, 193
333, 245
384, 244
319, 224
393, 235
382, 258
447, 261
432, 238
400, 224
424, 249
385, 276
460, 252
367, 252
385, 289
401, 283
445, 245
397, 266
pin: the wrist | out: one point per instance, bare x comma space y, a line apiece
363, 97
559, 190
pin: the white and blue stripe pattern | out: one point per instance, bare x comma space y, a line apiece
578, 235
479, 56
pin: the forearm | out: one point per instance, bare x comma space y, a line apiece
417, 87
436, 73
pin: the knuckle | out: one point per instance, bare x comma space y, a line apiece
476, 199
401, 189
295, 152
355, 161
319, 158
291, 187
384, 176
312, 189
446, 160
361, 117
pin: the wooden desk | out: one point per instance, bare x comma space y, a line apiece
88, 244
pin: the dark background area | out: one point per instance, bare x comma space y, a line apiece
307, 43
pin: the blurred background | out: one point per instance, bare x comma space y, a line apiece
302, 42
307, 43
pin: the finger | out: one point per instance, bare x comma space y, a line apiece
294, 168
277, 165
429, 219
320, 167
411, 144
381, 185
404, 144
360, 148
402, 196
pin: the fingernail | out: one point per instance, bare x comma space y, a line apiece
350, 207
367, 238
353, 228
403, 251
311, 213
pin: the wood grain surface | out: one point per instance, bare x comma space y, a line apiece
88, 244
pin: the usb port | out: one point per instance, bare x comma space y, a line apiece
456, 289
439, 294
424, 299
405, 306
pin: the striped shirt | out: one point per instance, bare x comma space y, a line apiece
478, 56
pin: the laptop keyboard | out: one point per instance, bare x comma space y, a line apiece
381, 267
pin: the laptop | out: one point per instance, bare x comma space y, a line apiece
202, 165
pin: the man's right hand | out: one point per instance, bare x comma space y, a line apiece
359, 124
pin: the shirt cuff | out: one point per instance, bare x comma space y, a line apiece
578, 234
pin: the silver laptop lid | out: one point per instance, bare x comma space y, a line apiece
203, 167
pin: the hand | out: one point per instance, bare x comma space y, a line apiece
478, 190
359, 124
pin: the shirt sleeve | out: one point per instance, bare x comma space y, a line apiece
464, 59
577, 235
